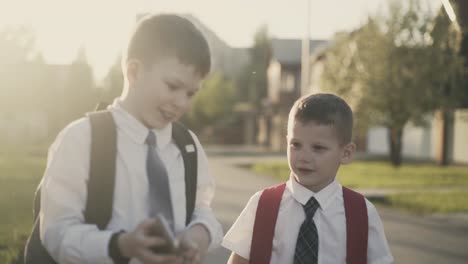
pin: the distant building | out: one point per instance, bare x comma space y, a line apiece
284, 87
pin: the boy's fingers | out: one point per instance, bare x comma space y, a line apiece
149, 257
147, 224
154, 241
187, 243
190, 253
191, 256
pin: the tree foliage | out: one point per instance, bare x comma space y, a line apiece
252, 82
113, 82
31, 88
396, 69
214, 102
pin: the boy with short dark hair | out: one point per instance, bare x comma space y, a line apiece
314, 219
164, 64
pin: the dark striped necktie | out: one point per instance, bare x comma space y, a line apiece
307, 241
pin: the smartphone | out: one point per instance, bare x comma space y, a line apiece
162, 228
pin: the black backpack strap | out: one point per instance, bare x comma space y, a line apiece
184, 141
100, 185
101, 169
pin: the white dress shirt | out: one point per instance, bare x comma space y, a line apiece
64, 189
329, 219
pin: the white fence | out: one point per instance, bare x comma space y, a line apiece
425, 142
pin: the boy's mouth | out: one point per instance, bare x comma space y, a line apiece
167, 115
305, 170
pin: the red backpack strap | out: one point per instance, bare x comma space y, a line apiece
357, 227
264, 226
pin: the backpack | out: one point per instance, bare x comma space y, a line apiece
267, 213
99, 203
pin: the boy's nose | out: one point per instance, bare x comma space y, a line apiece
306, 156
181, 101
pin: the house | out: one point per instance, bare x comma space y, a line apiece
284, 87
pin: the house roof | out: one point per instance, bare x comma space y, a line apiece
288, 51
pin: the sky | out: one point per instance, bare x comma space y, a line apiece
101, 26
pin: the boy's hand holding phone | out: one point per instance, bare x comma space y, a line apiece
194, 244
140, 242
162, 229
191, 244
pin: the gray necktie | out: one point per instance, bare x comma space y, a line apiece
158, 181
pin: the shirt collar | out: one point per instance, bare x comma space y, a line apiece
302, 194
135, 129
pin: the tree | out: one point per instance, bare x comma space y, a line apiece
16, 50
113, 82
252, 81
213, 103
80, 94
461, 8
393, 69
260, 56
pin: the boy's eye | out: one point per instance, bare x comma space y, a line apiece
172, 87
295, 144
319, 148
191, 94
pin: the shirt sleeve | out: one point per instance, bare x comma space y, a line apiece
63, 197
378, 251
203, 213
239, 238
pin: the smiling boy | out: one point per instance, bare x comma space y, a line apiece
164, 64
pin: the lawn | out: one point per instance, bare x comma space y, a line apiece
429, 202
19, 176
428, 188
376, 174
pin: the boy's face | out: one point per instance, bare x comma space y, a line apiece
163, 92
315, 154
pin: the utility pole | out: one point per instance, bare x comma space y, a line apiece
305, 55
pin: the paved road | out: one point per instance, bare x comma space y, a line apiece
412, 239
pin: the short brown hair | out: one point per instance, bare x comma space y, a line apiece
325, 109
166, 35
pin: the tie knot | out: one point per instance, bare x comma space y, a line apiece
311, 207
151, 139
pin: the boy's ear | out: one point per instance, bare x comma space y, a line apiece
348, 151
132, 71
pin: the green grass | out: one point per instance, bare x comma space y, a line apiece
374, 174
433, 202
436, 189
19, 176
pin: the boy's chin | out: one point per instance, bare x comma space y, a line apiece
311, 184
307, 183
156, 124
